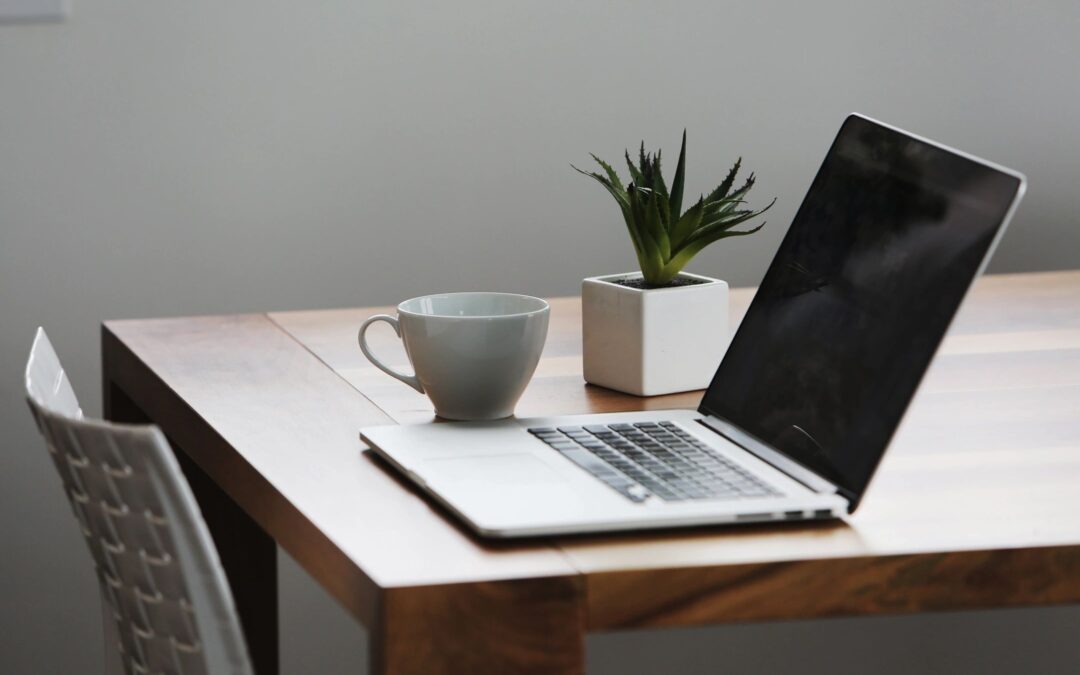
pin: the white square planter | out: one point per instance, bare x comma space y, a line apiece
655, 341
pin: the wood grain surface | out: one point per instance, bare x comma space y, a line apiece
975, 505
525, 627
279, 432
987, 459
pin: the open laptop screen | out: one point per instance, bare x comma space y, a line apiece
857, 299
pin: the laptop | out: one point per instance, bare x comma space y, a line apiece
802, 407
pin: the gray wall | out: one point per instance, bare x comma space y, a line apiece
166, 158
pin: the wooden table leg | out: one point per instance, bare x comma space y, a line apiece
524, 627
248, 554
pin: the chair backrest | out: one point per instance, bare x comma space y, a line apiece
157, 565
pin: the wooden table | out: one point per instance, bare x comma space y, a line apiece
977, 503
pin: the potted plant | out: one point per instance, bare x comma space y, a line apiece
662, 330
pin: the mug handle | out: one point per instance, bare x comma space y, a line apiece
410, 380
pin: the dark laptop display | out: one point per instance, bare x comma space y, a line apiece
857, 299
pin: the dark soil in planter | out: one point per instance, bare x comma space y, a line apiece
637, 282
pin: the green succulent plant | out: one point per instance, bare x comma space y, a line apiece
665, 237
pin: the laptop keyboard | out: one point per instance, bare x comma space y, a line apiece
653, 458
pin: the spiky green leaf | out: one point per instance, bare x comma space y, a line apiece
721, 191
720, 207
675, 199
635, 173
726, 206
650, 259
687, 253
708, 232
616, 191
745, 188
730, 212
655, 228
659, 185
611, 174
637, 214
687, 224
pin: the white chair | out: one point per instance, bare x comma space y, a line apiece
161, 580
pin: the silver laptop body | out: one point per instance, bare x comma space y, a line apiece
845, 323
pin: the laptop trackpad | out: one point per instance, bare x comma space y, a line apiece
500, 492
490, 471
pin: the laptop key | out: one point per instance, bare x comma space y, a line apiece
589, 462
633, 492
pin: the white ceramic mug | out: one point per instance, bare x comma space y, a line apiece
472, 353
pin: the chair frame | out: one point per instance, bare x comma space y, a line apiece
161, 579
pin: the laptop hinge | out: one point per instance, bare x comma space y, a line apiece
774, 458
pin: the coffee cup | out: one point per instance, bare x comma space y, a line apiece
472, 354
